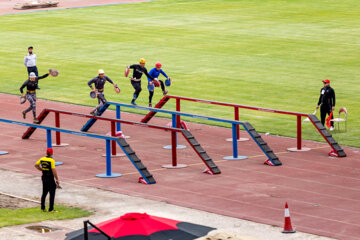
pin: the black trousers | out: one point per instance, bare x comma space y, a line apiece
33, 69
49, 186
151, 93
101, 100
137, 86
325, 110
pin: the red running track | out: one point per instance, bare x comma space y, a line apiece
323, 192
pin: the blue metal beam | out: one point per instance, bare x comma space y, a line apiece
58, 129
177, 113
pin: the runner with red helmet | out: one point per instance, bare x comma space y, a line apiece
155, 72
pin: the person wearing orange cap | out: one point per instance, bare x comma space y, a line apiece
47, 166
327, 102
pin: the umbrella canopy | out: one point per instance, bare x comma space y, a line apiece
141, 226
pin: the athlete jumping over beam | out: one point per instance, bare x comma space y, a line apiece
139, 69
99, 82
155, 72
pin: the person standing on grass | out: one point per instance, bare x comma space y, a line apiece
327, 102
155, 72
30, 62
139, 69
99, 82
31, 85
50, 180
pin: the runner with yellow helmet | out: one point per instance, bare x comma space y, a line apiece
138, 70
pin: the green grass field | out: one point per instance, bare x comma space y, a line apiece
10, 217
267, 53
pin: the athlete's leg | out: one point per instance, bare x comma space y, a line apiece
151, 94
44, 193
163, 87
52, 191
137, 86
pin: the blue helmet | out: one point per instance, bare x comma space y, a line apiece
168, 82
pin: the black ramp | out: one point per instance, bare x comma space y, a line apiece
201, 152
148, 177
328, 137
262, 144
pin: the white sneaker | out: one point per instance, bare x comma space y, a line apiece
331, 128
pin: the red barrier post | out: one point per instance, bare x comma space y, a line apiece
298, 132
178, 109
173, 148
113, 143
57, 124
236, 109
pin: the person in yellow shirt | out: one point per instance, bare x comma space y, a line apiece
47, 166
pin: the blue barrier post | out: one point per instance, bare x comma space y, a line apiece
48, 138
118, 124
118, 116
108, 173
235, 147
174, 125
49, 144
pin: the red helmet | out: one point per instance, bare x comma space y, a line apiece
158, 64
49, 151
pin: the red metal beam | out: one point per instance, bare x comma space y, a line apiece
238, 106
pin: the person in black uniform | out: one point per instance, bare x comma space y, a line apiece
31, 85
139, 69
47, 166
327, 102
99, 82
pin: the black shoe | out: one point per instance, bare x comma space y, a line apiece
165, 92
150, 105
24, 115
53, 211
133, 102
36, 121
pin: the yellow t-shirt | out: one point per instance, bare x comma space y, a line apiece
47, 164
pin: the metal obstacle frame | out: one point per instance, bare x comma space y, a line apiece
236, 116
175, 115
48, 129
113, 132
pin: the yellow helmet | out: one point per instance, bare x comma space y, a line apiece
142, 60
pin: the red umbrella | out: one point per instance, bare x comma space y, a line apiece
141, 226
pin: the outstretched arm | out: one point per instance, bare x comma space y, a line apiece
43, 76
163, 73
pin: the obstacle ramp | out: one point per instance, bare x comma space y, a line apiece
328, 137
201, 152
148, 177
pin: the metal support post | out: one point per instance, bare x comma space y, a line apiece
174, 125
298, 147
118, 124
173, 148
113, 143
108, 173
236, 117
235, 147
58, 140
